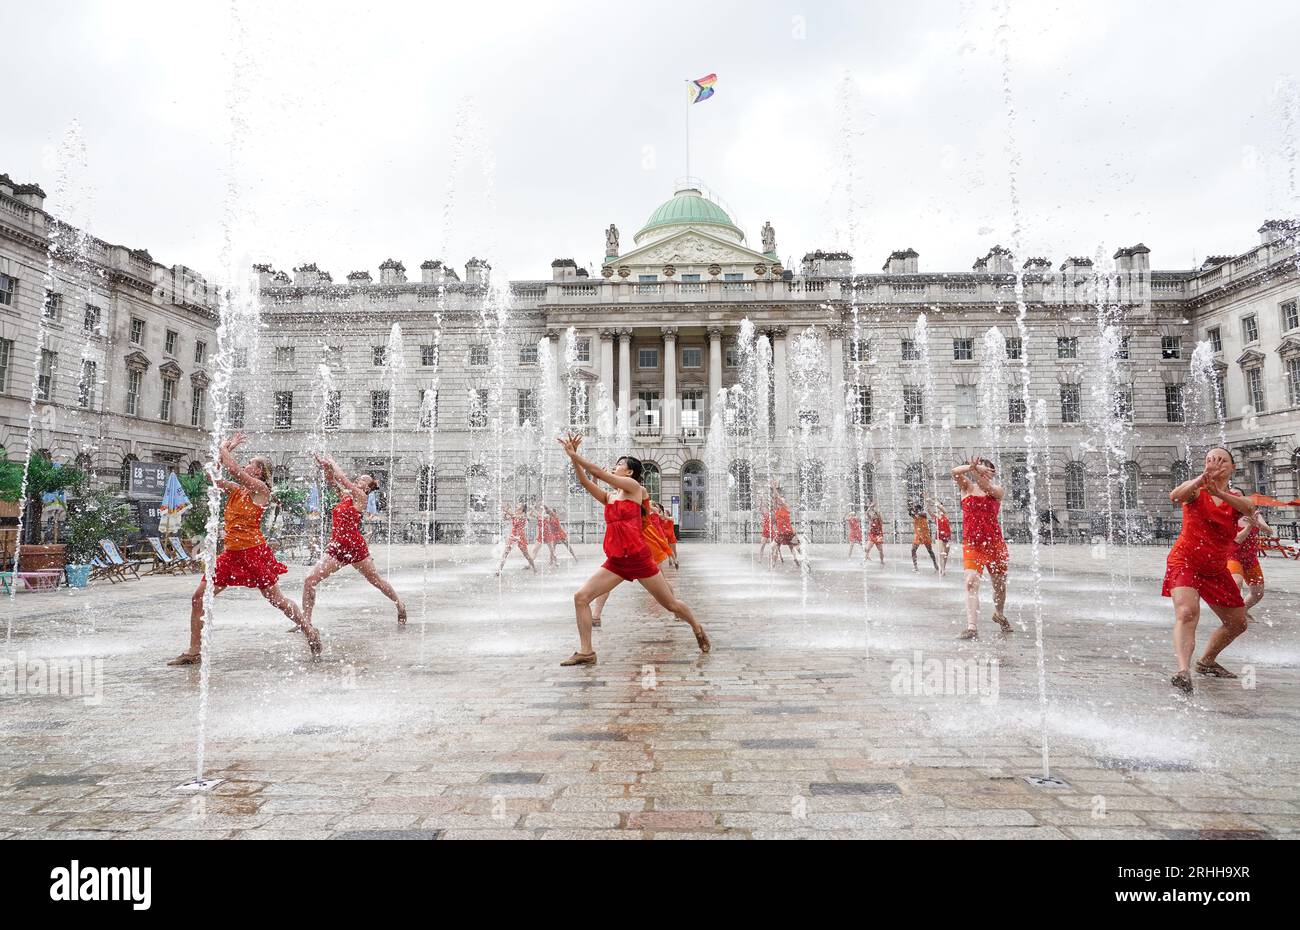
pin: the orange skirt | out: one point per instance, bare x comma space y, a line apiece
995, 558
1252, 571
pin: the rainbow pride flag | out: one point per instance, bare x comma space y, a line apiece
702, 89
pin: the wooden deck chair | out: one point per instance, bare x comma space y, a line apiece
114, 556
101, 569
192, 560
163, 561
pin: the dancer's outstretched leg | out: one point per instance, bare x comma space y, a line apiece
601, 583
191, 656
972, 604
322, 570
277, 599
930, 549
662, 592
371, 574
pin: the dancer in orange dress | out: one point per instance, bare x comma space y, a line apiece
1243, 560
855, 532
628, 556
981, 541
246, 561
347, 546
1197, 567
518, 517
943, 532
921, 536
875, 533
666, 530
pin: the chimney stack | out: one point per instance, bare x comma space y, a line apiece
903, 261
306, 275
392, 272
477, 271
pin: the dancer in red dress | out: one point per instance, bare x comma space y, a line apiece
628, 556
1197, 567
783, 526
855, 532
943, 533
347, 546
246, 561
550, 532
981, 540
1243, 561
875, 533
518, 539
766, 515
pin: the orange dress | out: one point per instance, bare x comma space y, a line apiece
1243, 559
246, 561
921, 530
653, 532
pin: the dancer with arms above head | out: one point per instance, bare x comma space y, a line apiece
982, 544
854, 523
875, 533
550, 533
628, 557
347, 546
246, 561
1243, 560
943, 533
1197, 566
518, 539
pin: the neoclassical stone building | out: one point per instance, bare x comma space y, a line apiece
451, 387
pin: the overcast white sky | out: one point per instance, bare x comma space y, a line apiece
519, 131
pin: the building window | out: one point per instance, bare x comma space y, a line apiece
1123, 405
862, 486
911, 353
197, 396
1015, 409
1075, 486
169, 342
692, 409
647, 409
125, 474
1220, 395
741, 486
1259, 476
429, 356
647, 358
53, 306
1255, 388
1249, 329
476, 476
1290, 315
963, 350
379, 410
914, 483
428, 488
478, 356
809, 419
734, 276
527, 399
91, 320
235, 410
8, 288
860, 412
334, 356
693, 357
379, 355
528, 353
86, 386
6, 358
1174, 403
137, 332
1122, 349
1067, 346
967, 406
133, 379
859, 350
690, 278
239, 357
1292, 379
1215, 335
168, 392
730, 355
45, 375
1015, 347
1179, 472
1071, 403
284, 409
1171, 347
578, 405
284, 356
333, 410
428, 409
200, 352
478, 408
647, 278
913, 405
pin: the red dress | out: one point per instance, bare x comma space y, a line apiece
945, 528
767, 525
876, 531
1199, 557
553, 532
627, 554
346, 544
246, 561
981, 534
784, 527
855, 530
518, 531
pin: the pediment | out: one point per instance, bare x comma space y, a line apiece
169, 370
199, 378
138, 360
690, 247
1250, 357
1289, 346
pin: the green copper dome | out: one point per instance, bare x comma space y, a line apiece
689, 208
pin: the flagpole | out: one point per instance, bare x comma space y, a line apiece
688, 135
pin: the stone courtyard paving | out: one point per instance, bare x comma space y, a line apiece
465, 726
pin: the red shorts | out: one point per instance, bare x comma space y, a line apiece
348, 553
1216, 586
256, 567
632, 567
1252, 571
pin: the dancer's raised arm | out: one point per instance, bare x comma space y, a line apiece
261, 490
586, 470
335, 476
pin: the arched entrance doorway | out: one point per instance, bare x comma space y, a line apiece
694, 500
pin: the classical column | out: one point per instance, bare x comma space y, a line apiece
624, 380
668, 401
837, 376
605, 401
780, 382
715, 375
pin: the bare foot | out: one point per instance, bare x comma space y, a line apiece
313, 639
401, 614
